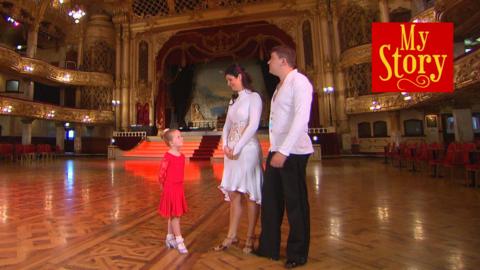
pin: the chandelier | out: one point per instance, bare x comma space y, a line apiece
76, 14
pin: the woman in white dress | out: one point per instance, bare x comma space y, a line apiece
242, 174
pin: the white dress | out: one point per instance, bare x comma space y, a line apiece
243, 174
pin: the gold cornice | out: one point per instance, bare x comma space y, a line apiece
249, 12
356, 55
30, 109
428, 15
467, 73
388, 101
40, 70
467, 70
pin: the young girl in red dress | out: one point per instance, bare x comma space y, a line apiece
172, 202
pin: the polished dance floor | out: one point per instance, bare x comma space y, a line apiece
99, 214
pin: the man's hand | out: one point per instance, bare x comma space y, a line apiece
278, 160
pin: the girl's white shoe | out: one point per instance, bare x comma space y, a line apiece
170, 241
181, 245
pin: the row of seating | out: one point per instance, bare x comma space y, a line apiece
28, 151
436, 158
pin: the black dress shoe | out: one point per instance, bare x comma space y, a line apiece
293, 264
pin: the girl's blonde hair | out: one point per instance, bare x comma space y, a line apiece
167, 135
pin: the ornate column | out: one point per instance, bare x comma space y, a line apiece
342, 119
60, 135
384, 12
62, 96
151, 82
80, 52
463, 125
329, 99
132, 78
32, 40
395, 126
125, 92
77, 142
118, 75
27, 130
78, 97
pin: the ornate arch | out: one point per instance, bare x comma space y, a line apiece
233, 42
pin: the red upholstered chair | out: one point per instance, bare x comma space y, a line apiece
421, 157
471, 160
435, 158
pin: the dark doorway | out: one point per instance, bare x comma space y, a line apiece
69, 140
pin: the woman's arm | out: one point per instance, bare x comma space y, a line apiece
254, 115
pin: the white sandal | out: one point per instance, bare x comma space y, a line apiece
170, 243
181, 246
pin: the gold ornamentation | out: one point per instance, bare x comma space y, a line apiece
12, 61
357, 55
221, 42
467, 70
428, 15
289, 26
35, 110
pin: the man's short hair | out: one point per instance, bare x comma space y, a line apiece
286, 52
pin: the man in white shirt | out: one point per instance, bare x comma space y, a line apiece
290, 146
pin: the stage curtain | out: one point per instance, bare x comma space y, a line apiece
230, 42
139, 109
181, 90
314, 112
271, 81
146, 114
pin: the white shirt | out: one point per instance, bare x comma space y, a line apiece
242, 120
289, 115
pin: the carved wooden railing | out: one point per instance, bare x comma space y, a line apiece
466, 73
36, 110
37, 69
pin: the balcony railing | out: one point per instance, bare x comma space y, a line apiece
466, 74
37, 69
36, 110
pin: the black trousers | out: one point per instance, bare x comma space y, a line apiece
285, 187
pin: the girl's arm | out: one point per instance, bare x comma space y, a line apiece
163, 171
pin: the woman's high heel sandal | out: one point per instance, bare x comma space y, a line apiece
226, 244
249, 243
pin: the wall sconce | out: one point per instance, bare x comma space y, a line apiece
27, 68
50, 114
13, 21
66, 78
375, 106
7, 109
406, 96
87, 119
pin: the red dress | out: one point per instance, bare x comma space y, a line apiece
172, 200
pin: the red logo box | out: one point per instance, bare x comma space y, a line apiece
412, 57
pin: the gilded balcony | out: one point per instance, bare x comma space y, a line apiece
466, 77
36, 110
38, 70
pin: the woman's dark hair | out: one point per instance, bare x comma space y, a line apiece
235, 70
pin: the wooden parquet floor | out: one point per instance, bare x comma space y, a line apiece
99, 214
